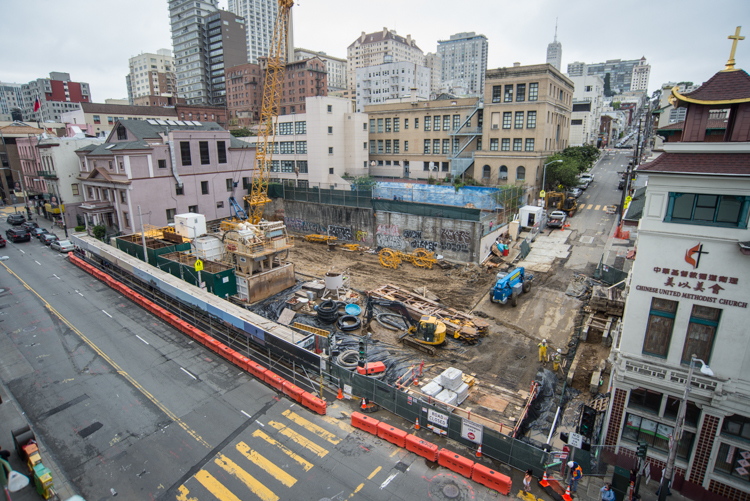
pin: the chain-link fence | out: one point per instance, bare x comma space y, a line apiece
322, 195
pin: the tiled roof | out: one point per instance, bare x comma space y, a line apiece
723, 86
721, 164
142, 129
20, 129
713, 123
378, 36
122, 110
109, 149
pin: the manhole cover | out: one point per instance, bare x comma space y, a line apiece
451, 491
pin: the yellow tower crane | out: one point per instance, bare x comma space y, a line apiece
269, 114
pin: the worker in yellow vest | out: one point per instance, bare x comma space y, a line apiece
557, 360
543, 351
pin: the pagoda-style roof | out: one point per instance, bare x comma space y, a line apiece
725, 87
713, 124
716, 164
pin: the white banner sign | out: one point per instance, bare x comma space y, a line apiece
471, 431
437, 418
575, 440
347, 391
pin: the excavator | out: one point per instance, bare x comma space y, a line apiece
423, 335
561, 201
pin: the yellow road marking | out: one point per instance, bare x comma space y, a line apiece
590, 206
215, 487
114, 365
267, 465
597, 207
183, 495
394, 453
307, 466
258, 489
359, 488
374, 473
526, 496
296, 418
296, 437
341, 424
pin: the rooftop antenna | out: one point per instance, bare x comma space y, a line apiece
555, 29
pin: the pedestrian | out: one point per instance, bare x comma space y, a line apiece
607, 493
576, 474
633, 475
543, 351
527, 481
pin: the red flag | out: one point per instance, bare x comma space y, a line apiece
36, 105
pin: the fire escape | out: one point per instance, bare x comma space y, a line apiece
461, 138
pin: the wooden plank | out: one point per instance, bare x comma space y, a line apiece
286, 316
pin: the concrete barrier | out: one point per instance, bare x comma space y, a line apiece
427, 450
492, 479
454, 462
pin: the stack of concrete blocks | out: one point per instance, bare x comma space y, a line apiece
451, 379
448, 397
432, 388
462, 393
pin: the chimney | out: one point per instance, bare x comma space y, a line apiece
413, 94
516, 65
385, 31
408, 39
362, 37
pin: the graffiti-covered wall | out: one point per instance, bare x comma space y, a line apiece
454, 239
350, 224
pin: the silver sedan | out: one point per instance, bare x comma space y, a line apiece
62, 245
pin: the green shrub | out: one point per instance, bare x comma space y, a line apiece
79, 228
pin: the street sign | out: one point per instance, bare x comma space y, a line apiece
542, 194
471, 430
437, 418
575, 440
198, 265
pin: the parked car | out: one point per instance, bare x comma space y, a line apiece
48, 238
621, 184
583, 185
17, 235
556, 219
587, 177
2, 242
575, 192
37, 232
15, 219
29, 225
62, 246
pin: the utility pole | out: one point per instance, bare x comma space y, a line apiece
143, 236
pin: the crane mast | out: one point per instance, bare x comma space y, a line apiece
258, 196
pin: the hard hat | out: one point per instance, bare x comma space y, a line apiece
544, 340
570, 464
559, 350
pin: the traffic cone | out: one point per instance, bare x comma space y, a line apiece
416, 423
340, 395
416, 383
364, 404
479, 451
544, 482
567, 496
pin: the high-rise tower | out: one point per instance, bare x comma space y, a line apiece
554, 51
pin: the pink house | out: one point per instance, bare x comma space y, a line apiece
166, 167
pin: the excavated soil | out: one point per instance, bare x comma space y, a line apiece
458, 288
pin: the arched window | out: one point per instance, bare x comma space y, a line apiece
521, 173
486, 171
503, 172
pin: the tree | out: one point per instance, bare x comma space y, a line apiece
608, 86
565, 173
509, 197
244, 132
100, 231
363, 183
616, 105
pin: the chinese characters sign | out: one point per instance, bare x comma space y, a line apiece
695, 285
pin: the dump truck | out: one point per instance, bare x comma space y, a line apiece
510, 285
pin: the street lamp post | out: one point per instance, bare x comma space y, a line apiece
677, 434
544, 175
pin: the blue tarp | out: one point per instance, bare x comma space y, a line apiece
479, 196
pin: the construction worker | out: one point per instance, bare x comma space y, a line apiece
576, 474
557, 360
543, 351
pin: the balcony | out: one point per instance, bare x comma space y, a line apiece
47, 174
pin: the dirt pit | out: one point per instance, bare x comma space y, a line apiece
458, 288
590, 359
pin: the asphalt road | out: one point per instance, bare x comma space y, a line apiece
129, 406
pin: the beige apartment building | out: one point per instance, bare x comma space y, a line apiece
527, 113
422, 139
372, 49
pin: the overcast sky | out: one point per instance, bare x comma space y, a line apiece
93, 39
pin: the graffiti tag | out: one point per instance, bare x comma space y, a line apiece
340, 232
424, 244
390, 241
412, 234
455, 236
387, 229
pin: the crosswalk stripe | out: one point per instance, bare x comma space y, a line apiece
296, 437
307, 466
590, 206
258, 489
215, 487
267, 465
597, 207
296, 418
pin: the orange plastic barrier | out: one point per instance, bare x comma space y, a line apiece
492, 479
365, 423
256, 370
454, 462
240, 361
226, 352
427, 450
313, 403
292, 391
393, 435
273, 379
